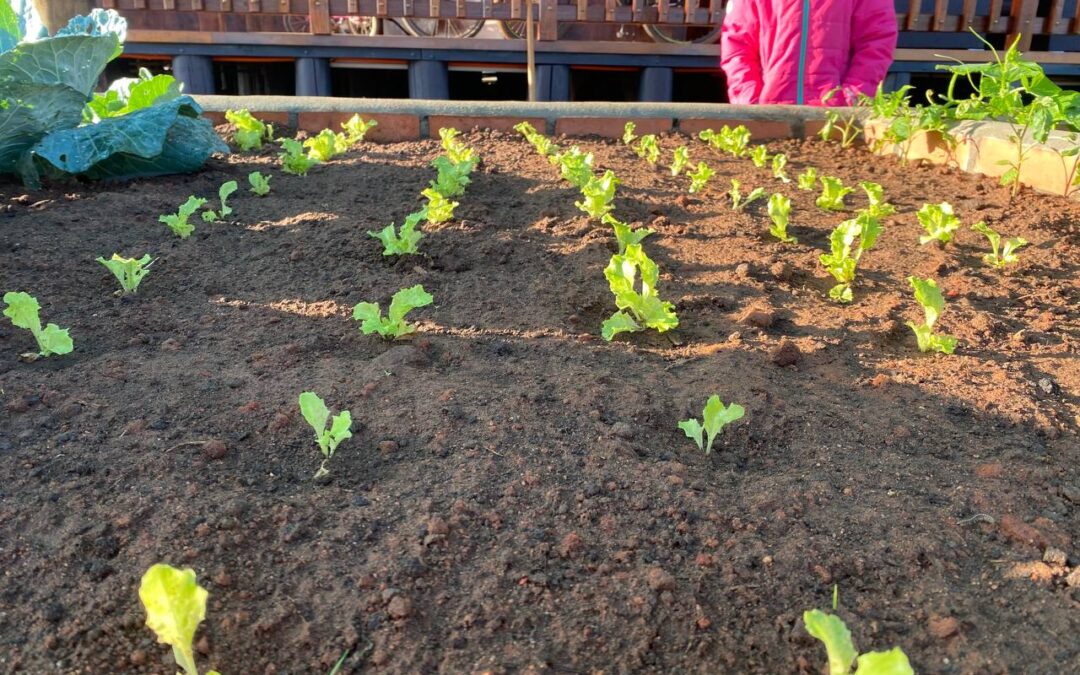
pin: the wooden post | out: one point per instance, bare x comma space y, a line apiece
530, 51
319, 16
1021, 23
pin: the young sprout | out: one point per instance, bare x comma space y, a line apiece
832, 194
260, 184
326, 145
875, 194
780, 213
737, 201
843, 259
680, 158
598, 194
624, 235
647, 149
628, 133
293, 160
808, 179
452, 179
439, 209
929, 296
731, 140
541, 143
455, 150
404, 241
356, 128
575, 166
759, 156
175, 605
700, 176
226, 189
637, 310
779, 167
840, 648
1000, 256
328, 437
178, 222
250, 132
939, 222
714, 418
128, 271
22, 309
393, 326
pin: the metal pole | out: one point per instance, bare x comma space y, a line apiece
530, 50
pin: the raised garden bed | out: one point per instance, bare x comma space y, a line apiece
516, 496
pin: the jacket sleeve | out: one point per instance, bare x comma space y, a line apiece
740, 56
873, 44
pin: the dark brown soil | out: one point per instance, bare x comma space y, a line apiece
517, 497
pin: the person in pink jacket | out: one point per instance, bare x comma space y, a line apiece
797, 51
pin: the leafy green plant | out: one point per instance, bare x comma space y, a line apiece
293, 159
129, 94
22, 309
326, 145
832, 195
939, 221
356, 128
628, 133
759, 156
875, 194
393, 325
250, 131
405, 240
733, 140
648, 149
779, 167
575, 166
128, 271
455, 150
699, 177
543, 145
844, 255
637, 309
714, 418
832, 631
738, 203
260, 184
624, 234
175, 605
439, 209
178, 222
780, 213
847, 124
328, 437
598, 194
929, 296
807, 180
452, 178
1000, 256
226, 189
680, 158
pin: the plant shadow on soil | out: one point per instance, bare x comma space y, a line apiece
516, 494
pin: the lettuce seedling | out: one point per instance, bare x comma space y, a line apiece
700, 176
541, 143
293, 160
226, 189
637, 310
832, 631
260, 184
939, 221
779, 167
731, 140
250, 132
457, 151
680, 158
628, 133
780, 213
326, 145
575, 166
624, 235
178, 222
598, 194
832, 194
128, 271
1000, 256
647, 149
929, 296
22, 309
356, 128
759, 156
452, 178
317, 415
875, 194
808, 179
843, 258
439, 209
393, 326
404, 241
738, 203
714, 418
175, 605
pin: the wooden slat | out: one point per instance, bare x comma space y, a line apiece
996, 22
609, 10
515, 9
941, 9
319, 17
966, 14
1053, 16
380, 7
354, 8
690, 8
582, 9
914, 9
549, 20
639, 6
169, 5
1074, 24
460, 8
226, 5
435, 8
662, 11
1022, 23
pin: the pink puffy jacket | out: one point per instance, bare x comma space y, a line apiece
769, 47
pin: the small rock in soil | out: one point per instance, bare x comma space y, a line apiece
943, 627
571, 545
758, 317
1055, 556
399, 607
214, 449
1073, 578
659, 580
781, 271
785, 354
743, 271
388, 446
437, 525
622, 430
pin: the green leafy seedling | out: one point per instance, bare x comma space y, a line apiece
1000, 256
543, 145
779, 167
637, 309
393, 325
844, 256
832, 194
598, 194
226, 189
780, 214
328, 437
260, 184
759, 156
875, 194
738, 203
128, 271
403, 241
680, 158
293, 158
699, 177
250, 132
714, 418
326, 145
175, 605
439, 209
648, 149
929, 296
455, 150
575, 166
807, 180
624, 234
733, 140
22, 309
939, 221
628, 133
840, 648
452, 178
178, 222
356, 128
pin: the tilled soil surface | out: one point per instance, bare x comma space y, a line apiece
516, 496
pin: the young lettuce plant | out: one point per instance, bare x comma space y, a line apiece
22, 309
929, 296
680, 158
832, 194
393, 326
226, 189
328, 437
260, 184
738, 203
452, 178
598, 194
807, 180
439, 209
128, 271
875, 194
939, 221
250, 132
731, 140
713, 419
326, 145
1000, 256
541, 143
404, 241
178, 222
779, 167
575, 166
637, 310
648, 149
832, 631
759, 156
455, 150
624, 235
844, 256
175, 605
699, 177
356, 128
293, 159
628, 133
780, 213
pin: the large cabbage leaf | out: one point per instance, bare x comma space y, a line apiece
28, 112
10, 29
73, 60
